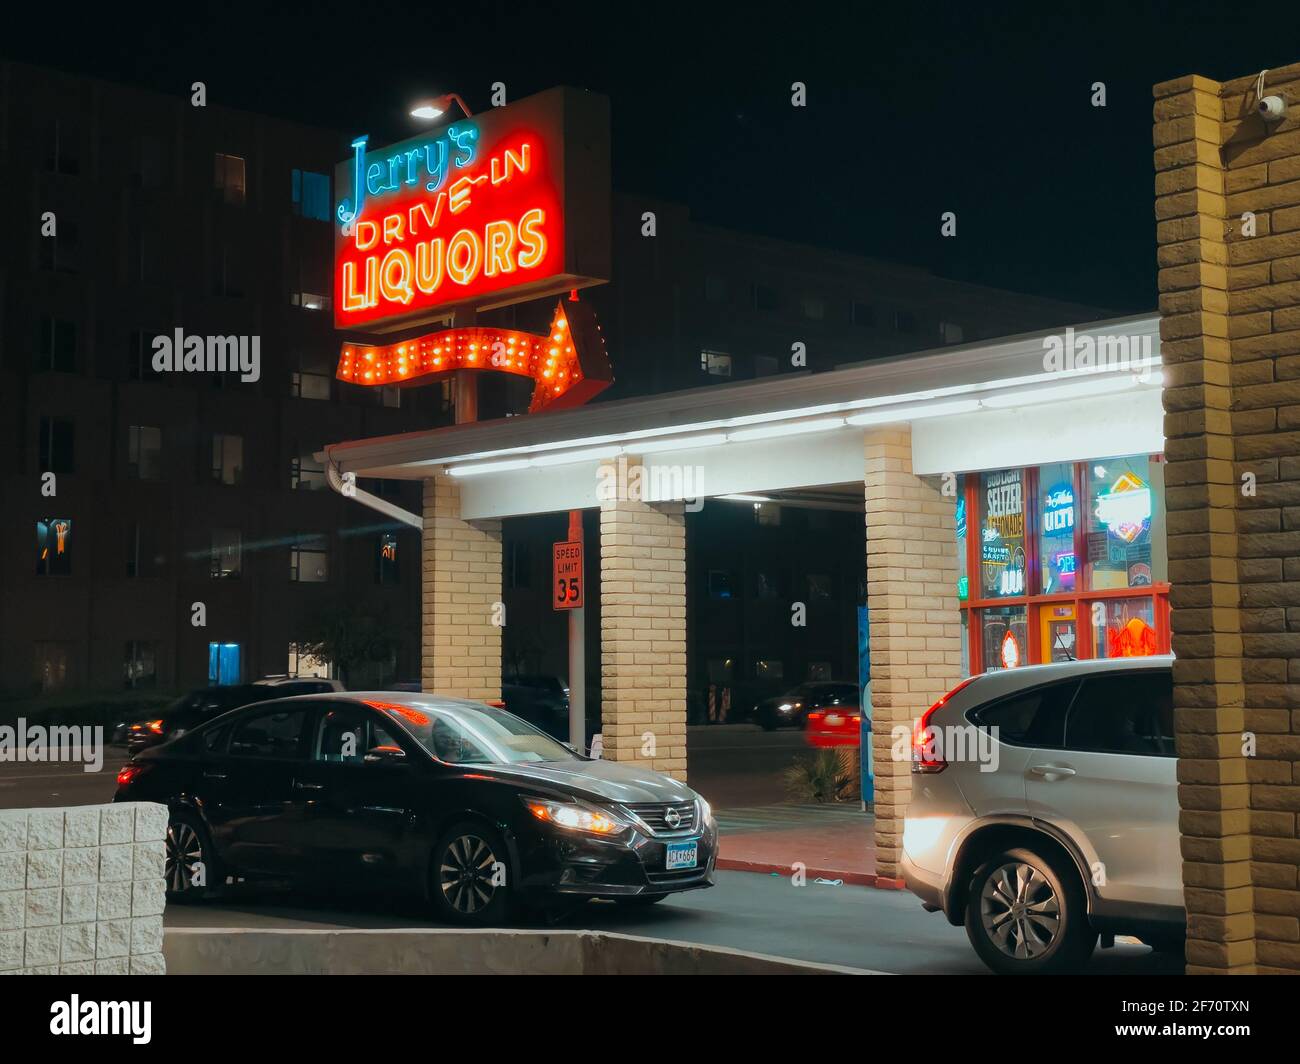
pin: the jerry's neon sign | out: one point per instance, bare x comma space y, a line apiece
445, 221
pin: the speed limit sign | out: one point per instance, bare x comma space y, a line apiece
566, 579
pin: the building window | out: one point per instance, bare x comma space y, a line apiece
306, 473
765, 298
303, 666
767, 586
227, 459
309, 560
311, 300
1066, 561
225, 554
820, 587
150, 161
863, 315
228, 178
228, 274
54, 547
386, 558
224, 667
819, 671
140, 664
144, 452
715, 289
59, 252
721, 584
770, 669
55, 444
519, 565
904, 321
813, 307
311, 195
950, 332
139, 355
56, 345
310, 385
51, 665
142, 557
715, 363
767, 515
61, 153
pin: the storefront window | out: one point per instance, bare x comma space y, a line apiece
1004, 637
1124, 628
1124, 505
963, 576
1056, 519
1002, 533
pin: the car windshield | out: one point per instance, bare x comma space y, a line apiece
476, 735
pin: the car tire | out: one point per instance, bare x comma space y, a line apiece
1027, 915
470, 877
188, 845
639, 900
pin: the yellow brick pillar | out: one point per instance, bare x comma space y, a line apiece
461, 601
642, 622
1228, 205
914, 617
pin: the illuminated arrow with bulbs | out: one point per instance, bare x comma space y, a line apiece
568, 366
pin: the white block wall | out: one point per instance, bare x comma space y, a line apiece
82, 890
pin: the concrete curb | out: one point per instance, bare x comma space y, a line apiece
857, 879
455, 951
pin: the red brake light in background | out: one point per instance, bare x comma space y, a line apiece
921, 760
129, 772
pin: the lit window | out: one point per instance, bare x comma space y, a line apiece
386, 558
311, 300
309, 560
54, 546
303, 665
224, 664
51, 665
228, 178
226, 554
311, 195
310, 385
1125, 501
140, 664
306, 473
715, 363
1002, 533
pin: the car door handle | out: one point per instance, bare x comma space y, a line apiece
298, 785
1052, 770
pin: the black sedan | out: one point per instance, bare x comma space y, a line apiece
460, 802
791, 709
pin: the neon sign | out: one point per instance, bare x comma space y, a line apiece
568, 366
1126, 508
1136, 639
509, 205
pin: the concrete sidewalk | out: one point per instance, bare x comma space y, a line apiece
830, 841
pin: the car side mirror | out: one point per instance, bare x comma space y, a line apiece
385, 755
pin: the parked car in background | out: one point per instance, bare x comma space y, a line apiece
791, 709
460, 802
190, 710
1044, 811
541, 700
834, 727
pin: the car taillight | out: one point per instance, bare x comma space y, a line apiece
155, 726
495, 703
924, 758
127, 773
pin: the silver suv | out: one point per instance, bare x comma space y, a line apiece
1044, 811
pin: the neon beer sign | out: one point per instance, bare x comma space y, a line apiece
509, 205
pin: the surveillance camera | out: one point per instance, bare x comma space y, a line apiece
1272, 108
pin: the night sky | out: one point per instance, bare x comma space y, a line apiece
981, 111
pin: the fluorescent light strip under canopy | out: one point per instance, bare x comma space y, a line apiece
1078, 385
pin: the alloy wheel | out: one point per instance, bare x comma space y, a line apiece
1020, 911
184, 856
465, 874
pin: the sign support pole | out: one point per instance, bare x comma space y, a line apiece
577, 656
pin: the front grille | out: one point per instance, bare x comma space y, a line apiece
655, 816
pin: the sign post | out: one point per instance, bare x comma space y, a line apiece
568, 592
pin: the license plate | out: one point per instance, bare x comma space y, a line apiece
834, 720
682, 855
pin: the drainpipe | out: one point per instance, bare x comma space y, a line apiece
351, 491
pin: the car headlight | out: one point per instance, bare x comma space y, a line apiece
706, 810
576, 817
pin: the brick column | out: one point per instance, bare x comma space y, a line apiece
1230, 331
914, 617
643, 629
461, 637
